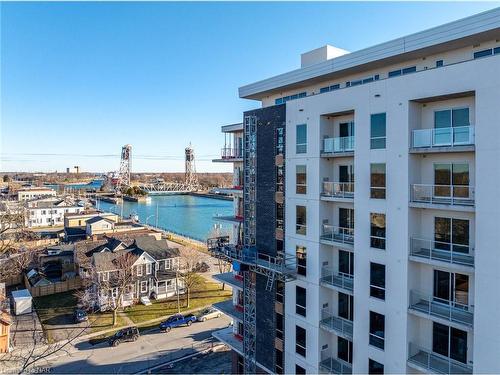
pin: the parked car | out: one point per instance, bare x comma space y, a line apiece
176, 321
202, 267
123, 335
80, 316
208, 313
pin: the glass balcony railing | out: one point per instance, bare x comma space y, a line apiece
343, 190
338, 279
452, 311
434, 362
442, 251
331, 365
231, 153
331, 322
453, 195
338, 144
338, 235
443, 137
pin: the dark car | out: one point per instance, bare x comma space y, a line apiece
176, 321
80, 316
125, 334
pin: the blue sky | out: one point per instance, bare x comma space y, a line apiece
79, 80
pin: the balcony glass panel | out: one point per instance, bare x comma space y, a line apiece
337, 234
338, 144
338, 279
443, 137
454, 195
338, 190
434, 362
441, 251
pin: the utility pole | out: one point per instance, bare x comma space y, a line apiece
156, 215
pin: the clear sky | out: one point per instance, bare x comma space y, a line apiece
79, 80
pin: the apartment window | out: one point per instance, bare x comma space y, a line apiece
377, 131
450, 118
280, 291
483, 53
411, 69
375, 368
301, 222
346, 262
394, 73
279, 326
301, 141
167, 264
301, 179
377, 231
346, 306
324, 89
301, 255
144, 286
149, 267
377, 180
299, 370
344, 349
300, 301
300, 341
451, 288
279, 361
377, 330
449, 342
439, 63
451, 234
377, 280
451, 180
346, 218
139, 270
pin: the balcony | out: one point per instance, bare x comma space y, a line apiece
236, 281
332, 323
337, 236
331, 365
456, 197
338, 191
228, 337
453, 139
338, 147
234, 219
230, 309
430, 251
434, 307
428, 362
230, 154
339, 281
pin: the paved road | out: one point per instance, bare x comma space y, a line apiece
151, 349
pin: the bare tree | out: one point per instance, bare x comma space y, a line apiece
191, 259
222, 265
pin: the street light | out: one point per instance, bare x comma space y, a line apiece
148, 218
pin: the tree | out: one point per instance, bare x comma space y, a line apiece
222, 265
189, 272
6, 178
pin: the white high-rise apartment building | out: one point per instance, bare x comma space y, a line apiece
392, 204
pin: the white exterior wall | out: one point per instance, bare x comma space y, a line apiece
24, 195
51, 216
395, 98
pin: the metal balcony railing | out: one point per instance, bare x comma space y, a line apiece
338, 279
230, 309
338, 144
443, 137
452, 311
231, 153
331, 322
442, 251
434, 362
338, 190
337, 234
331, 365
454, 195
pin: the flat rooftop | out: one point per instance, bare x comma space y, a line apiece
457, 34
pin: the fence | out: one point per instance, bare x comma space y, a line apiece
58, 287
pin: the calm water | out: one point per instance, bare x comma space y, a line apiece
183, 214
94, 184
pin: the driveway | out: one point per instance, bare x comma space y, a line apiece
150, 350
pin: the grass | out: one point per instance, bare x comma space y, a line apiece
205, 294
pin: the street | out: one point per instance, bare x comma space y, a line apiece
151, 349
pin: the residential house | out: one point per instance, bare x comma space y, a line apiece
26, 194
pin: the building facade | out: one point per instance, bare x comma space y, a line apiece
389, 208
27, 194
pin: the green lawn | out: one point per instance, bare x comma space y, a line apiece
206, 294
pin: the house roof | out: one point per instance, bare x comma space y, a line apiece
5, 318
158, 249
96, 219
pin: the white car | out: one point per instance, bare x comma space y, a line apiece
208, 313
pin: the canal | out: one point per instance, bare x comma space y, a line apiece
187, 215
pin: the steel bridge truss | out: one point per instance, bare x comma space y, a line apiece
168, 187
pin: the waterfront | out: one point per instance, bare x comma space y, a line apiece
188, 215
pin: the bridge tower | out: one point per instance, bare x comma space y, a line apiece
190, 178
123, 177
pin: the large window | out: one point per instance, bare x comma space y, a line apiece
301, 144
377, 330
300, 179
377, 231
451, 288
377, 180
377, 280
346, 306
300, 341
299, 370
301, 220
451, 234
450, 342
451, 180
346, 262
280, 291
301, 254
346, 218
451, 118
279, 326
300, 301
375, 368
377, 131
279, 361
344, 349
